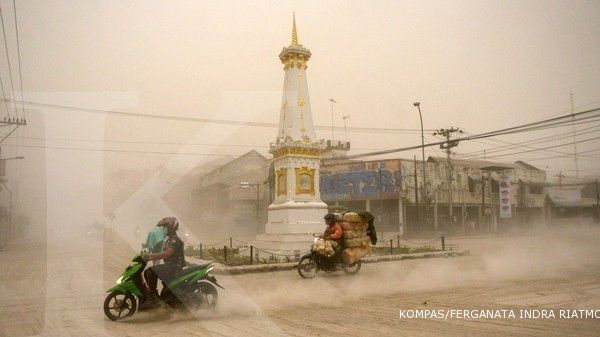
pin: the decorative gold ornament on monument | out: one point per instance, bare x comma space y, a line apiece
305, 180
282, 181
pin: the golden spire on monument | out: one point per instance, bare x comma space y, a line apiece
294, 55
294, 34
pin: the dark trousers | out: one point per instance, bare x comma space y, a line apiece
165, 272
338, 251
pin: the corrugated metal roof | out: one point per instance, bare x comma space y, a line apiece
484, 163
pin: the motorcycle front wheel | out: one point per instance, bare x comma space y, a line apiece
118, 305
307, 267
352, 268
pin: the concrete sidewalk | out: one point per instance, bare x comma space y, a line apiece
270, 267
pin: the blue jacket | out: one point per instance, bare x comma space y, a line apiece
155, 239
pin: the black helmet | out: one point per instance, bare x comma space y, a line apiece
329, 216
169, 220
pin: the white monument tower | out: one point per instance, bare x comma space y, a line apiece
297, 210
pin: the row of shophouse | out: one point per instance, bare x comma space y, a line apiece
483, 196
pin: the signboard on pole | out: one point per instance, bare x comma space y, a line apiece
564, 197
505, 197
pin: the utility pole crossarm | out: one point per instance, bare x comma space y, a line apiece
447, 146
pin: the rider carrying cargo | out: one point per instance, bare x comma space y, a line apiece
172, 256
334, 232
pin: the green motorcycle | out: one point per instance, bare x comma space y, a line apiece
192, 287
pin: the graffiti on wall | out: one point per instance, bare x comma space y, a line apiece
363, 180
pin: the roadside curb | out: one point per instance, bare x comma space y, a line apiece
270, 267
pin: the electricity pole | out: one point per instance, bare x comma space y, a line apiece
574, 137
16, 122
450, 143
560, 177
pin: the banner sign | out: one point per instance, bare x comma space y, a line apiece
364, 180
505, 197
564, 196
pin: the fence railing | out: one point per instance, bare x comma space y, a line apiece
234, 252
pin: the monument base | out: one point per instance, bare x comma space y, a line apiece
291, 226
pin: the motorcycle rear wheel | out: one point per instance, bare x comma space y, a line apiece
307, 267
123, 305
352, 268
209, 294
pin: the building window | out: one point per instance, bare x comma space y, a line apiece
536, 189
471, 184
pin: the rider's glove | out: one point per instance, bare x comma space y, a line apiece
145, 257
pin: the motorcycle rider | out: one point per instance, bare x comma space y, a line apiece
334, 233
155, 241
172, 256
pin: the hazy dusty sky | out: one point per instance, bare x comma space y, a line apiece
474, 64
479, 65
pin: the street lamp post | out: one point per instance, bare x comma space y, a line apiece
345, 118
418, 105
332, 101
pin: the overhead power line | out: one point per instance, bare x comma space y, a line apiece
203, 120
549, 147
526, 143
124, 151
534, 126
513, 146
144, 142
19, 57
7, 57
4, 97
8, 134
566, 155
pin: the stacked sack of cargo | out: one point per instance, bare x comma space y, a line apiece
324, 247
356, 241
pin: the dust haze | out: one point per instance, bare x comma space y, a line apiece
137, 110
556, 253
375, 62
